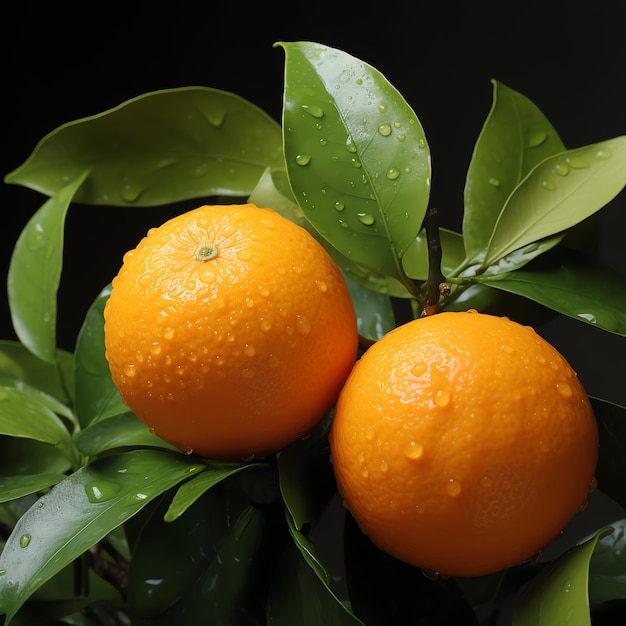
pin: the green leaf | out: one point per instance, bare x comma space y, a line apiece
559, 193
572, 284
12, 487
214, 473
35, 272
161, 147
204, 568
356, 155
298, 596
559, 594
23, 414
305, 476
611, 467
23, 367
607, 569
117, 431
514, 139
78, 512
6, 382
374, 312
96, 395
23, 457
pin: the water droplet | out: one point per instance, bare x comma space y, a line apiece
303, 159
366, 218
434, 575
453, 487
3, 572
101, 490
384, 130
359, 81
130, 371
265, 325
603, 154
441, 397
343, 224
142, 496
273, 361
369, 433
248, 350
168, 333
313, 111
355, 162
561, 169
303, 324
593, 485
339, 206
419, 368
131, 192
25, 540
382, 108
577, 163
564, 390
323, 142
321, 285
350, 147
537, 138
549, 185
401, 137
384, 466
365, 472
414, 451
494, 182
392, 173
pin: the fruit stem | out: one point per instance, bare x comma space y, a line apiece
435, 285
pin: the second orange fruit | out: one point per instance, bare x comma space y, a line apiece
229, 331
463, 443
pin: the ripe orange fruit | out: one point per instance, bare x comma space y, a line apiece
463, 443
229, 331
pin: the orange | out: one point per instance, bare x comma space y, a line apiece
229, 331
463, 443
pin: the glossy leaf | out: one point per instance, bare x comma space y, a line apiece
202, 567
39, 396
96, 395
118, 431
557, 194
161, 147
35, 272
559, 594
611, 467
298, 596
25, 415
305, 476
215, 472
356, 155
78, 512
24, 457
12, 487
607, 569
574, 285
515, 138
374, 311
23, 367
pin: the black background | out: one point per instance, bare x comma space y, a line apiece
63, 65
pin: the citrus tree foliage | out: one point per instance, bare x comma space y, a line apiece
103, 522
